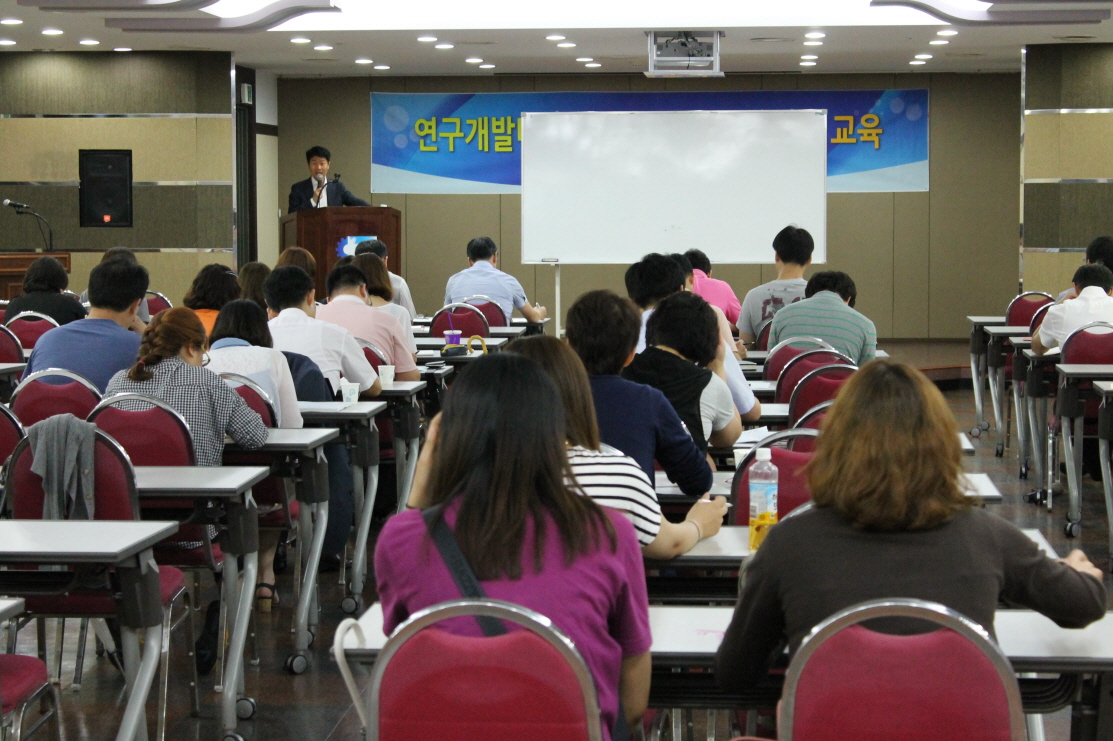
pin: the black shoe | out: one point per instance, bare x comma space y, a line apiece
280, 555
206, 646
329, 565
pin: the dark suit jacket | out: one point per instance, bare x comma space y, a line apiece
301, 195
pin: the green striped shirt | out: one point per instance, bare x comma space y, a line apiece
826, 316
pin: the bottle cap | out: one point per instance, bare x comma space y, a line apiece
764, 454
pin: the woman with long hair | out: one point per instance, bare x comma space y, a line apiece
496, 469
380, 293
251, 278
213, 287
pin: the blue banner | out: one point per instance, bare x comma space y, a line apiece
471, 143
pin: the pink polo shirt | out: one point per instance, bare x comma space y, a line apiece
380, 328
717, 293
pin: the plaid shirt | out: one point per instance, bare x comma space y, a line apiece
209, 406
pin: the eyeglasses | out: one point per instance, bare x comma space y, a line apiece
205, 359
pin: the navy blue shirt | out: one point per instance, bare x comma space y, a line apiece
639, 421
95, 349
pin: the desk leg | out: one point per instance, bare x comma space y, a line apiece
1023, 449
996, 394
354, 601
314, 495
407, 479
977, 374
1038, 440
243, 539
1072, 447
140, 610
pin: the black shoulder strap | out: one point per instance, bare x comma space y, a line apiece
459, 568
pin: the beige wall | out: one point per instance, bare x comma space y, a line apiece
266, 199
171, 272
922, 261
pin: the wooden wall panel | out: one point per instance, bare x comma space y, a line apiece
860, 243
1086, 145
911, 264
1041, 146
266, 195
1050, 272
1041, 215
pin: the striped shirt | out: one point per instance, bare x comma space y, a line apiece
617, 481
826, 316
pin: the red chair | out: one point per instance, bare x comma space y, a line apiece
849, 682
800, 366
29, 326
374, 355
23, 681
1037, 318
470, 320
528, 683
115, 498
811, 420
11, 432
763, 335
792, 488
821, 385
1023, 308
34, 399
785, 351
258, 400
491, 310
11, 349
156, 302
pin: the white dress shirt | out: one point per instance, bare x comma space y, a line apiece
1092, 305
332, 348
402, 297
267, 368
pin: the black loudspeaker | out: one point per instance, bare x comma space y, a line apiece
105, 187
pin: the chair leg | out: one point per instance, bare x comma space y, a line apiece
164, 672
79, 666
40, 636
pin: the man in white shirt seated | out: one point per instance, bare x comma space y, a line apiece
483, 278
398, 284
289, 293
1093, 303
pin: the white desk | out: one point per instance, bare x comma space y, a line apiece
427, 355
771, 414
494, 344
967, 446
726, 550
511, 333
978, 347
405, 412
10, 608
981, 487
7, 370
1071, 376
763, 390
667, 490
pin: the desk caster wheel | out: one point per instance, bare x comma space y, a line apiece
1024, 471
1036, 496
999, 451
233, 737
297, 664
984, 425
1072, 529
350, 605
975, 431
245, 708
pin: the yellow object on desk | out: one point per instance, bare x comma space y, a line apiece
453, 349
759, 528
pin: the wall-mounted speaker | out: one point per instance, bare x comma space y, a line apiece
105, 187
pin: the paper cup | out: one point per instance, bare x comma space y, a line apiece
350, 391
386, 375
452, 336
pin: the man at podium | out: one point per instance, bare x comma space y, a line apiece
318, 191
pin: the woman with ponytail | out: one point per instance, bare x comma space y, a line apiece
171, 368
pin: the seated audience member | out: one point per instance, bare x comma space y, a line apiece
251, 277
171, 368
718, 293
524, 529
43, 284
608, 476
792, 249
828, 313
656, 277
101, 345
380, 291
289, 293
241, 344
602, 328
347, 307
684, 361
1098, 252
213, 287
483, 278
739, 351
299, 258
1092, 303
123, 253
398, 285
891, 520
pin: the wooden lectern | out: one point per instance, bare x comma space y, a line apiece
323, 230
14, 264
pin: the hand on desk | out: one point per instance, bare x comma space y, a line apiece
708, 515
1078, 561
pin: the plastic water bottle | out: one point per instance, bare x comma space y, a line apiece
763, 497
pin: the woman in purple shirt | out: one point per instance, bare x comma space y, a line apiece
495, 461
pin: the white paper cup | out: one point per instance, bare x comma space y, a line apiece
350, 391
452, 336
386, 375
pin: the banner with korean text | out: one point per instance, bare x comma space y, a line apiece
877, 140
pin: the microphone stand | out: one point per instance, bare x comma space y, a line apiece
50, 240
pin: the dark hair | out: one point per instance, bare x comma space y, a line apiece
117, 284
118, 253
45, 274
603, 329
378, 279
1101, 251
698, 260
794, 245
345, 260
501, 454
372, 246
299, 258
686, 323
567, 371
652, 279
286, 287
684, 263
1093, 275
214, 286
169, 331
252, 275
345, 276
242, 319
482, 248
317, 152
832, 280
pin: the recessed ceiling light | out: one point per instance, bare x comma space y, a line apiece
486, 66
923, 56
382, 66
808, 56
938, 42
555, 37
88, 42
363, 61
7, 42
593, 64
10, 22
815, 35
52, 32
322, 47
474, 60
566, 45
947, 32
917, 61
584, 59
807, 64
813, 43
427, 39
122, 48
443, 46
300, 40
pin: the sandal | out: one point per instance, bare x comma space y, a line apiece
265, 603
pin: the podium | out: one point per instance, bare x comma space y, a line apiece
14, 264
323, 230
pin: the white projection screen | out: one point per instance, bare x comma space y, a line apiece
607, 188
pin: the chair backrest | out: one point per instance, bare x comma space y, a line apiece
11, 432
1022, 308
491, 310
1037, 318
800, 366
34, 399
1089, 344
464, 317
810, 420
29, 326
785, 351
156, 436
156, 302
374, 355
821, 385
115, 495
792, 488
763, 335
11, 349
847, 681
258, 400
529, 683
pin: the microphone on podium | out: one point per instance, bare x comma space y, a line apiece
14, 204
